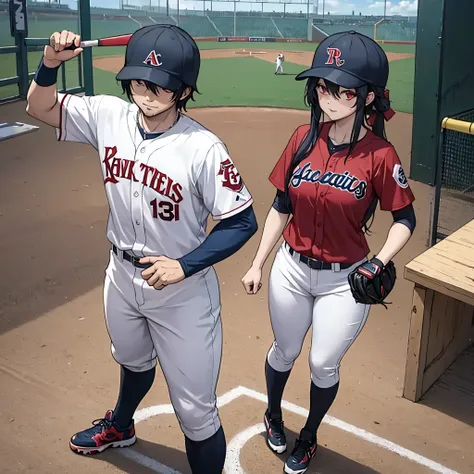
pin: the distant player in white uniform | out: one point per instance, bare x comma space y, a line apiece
279, 63
163, 174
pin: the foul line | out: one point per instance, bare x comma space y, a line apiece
232, 465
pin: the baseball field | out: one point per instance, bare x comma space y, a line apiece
230, 76
56, 370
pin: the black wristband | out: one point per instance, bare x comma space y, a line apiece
46, 76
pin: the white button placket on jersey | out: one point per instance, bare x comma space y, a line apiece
136, 193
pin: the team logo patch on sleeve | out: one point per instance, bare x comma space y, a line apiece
399, 176
231, 179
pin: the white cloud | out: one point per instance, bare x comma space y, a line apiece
401, 7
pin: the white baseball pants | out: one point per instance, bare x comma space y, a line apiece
180, 326
300, 296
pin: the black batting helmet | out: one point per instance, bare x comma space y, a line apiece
165, 55
349, 59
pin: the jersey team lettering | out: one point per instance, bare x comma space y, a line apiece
343, 181
120, 168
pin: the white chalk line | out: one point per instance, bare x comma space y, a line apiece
235, 445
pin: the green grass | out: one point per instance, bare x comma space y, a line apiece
252, 82
236, 81
224, 82
401, 83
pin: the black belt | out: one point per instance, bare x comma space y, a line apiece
317, 264
135, 261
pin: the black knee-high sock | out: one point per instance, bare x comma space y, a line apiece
276, 382
133, 388
208, 456
321, 400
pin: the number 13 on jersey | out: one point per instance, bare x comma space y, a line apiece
164, 210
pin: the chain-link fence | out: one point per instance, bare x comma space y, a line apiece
454, 201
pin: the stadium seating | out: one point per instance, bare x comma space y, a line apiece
224, 24
197, 25
45, 18
292, 27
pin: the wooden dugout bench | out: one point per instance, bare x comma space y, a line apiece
442, 313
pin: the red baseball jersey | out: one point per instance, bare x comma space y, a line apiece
330, 198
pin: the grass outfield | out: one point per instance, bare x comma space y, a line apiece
251, 82
235, 81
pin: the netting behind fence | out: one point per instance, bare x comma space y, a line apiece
456, 180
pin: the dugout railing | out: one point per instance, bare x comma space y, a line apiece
454, 183
24, 45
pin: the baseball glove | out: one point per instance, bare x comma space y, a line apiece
372, 281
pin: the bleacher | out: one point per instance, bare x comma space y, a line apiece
43, 18
255, 26
292, 27
197, 25
225, 24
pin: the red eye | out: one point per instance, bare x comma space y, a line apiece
322, 89
349, 95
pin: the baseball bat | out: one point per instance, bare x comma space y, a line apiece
120, 40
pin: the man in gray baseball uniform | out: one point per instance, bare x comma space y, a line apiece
163, 173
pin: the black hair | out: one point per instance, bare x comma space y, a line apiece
378, 106
180, 103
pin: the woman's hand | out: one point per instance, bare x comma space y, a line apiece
252, 279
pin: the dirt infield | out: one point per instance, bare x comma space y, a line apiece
304, 58
57, 373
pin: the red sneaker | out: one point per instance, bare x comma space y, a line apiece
102, 435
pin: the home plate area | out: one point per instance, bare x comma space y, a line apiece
343, 448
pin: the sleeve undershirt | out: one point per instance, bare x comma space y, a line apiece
226, 238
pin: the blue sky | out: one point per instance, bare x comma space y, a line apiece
341, 7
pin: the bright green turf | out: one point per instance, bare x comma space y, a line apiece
228, 82
252, 82
401, 83
244, 81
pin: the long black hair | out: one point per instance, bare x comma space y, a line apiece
378, 106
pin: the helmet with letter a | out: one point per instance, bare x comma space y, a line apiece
349, 59
162, 54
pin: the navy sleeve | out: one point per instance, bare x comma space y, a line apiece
405, 216
280, 203
226, 238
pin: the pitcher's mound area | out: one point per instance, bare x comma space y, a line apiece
304, 58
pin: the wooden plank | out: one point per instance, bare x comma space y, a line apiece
417, 343
460, 341
437, 317
448, 266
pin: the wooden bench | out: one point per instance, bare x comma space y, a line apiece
442, 314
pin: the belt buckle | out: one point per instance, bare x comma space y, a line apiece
314, 264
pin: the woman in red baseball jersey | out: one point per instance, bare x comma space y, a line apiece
329, 179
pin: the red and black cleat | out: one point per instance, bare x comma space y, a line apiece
102, 435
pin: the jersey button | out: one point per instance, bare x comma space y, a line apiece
135, 193
137, 222
322, 194
142, 150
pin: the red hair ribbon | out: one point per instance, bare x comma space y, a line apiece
387, 115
